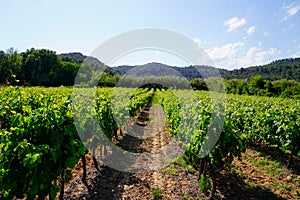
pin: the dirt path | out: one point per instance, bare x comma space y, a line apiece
145, 135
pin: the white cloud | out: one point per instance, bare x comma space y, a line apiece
251, 30
256, 56
266, 33
200, 44
291, 10
226, 51
234, 55
234, 23
197, 40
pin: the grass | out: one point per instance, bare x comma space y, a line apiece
269, 174
204, 183
237, 171
270, 167
182, 161
251, 184
156, 192
155, 100
170, 170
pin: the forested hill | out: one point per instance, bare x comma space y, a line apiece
43, 67
77, 57
158, 69
281, 69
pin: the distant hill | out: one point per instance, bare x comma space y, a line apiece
158, 69
77, 57
281, 69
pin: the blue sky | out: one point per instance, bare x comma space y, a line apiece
233, 33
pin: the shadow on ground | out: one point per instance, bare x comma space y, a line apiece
232, 186
277, 155
109, 184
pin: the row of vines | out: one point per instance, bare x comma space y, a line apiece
39, 143
235, 121
44, 132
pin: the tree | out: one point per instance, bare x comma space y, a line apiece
10, 66
39, 66
215, 84
256, 84
65, 73
198, 84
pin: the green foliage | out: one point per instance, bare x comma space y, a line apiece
37, 142
256, 84
38, 138
171, 169
42, 67
156, 192
236, 86
276, 70
10, 64
190, 72
65, 74
260, 87
190, 122
204, 183
184, 162
273, 121
198, 84
111, 113
39, 67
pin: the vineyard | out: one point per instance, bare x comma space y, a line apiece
46, 132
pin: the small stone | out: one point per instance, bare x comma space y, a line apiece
288, 178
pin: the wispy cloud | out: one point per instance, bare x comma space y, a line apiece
251, 30
266, 33
234, 23
234, 55
297, 54
290, 26
291, 10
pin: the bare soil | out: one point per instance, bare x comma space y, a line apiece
108, 183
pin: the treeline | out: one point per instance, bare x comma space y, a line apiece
281, 69
261, 87
42, 67
35, 68
256, 86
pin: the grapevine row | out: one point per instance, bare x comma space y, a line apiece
39, 144
235, 121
